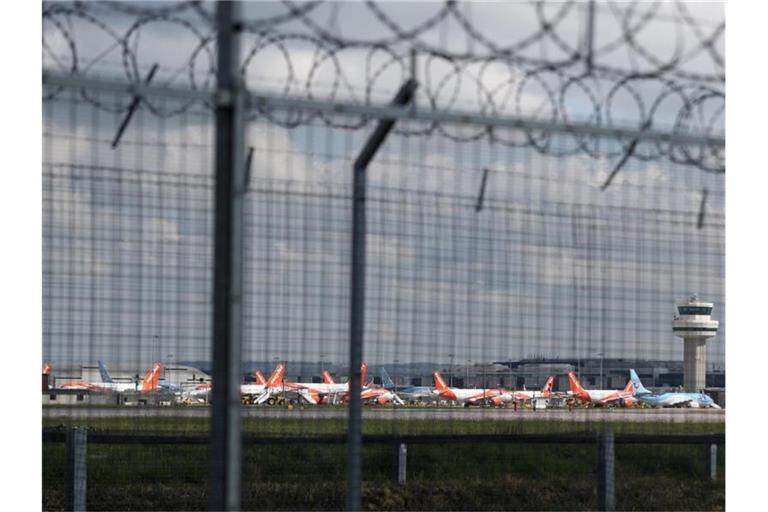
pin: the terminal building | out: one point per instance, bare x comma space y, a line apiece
608, 373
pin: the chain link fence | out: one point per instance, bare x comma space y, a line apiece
531, 220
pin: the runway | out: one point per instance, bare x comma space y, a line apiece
405, 414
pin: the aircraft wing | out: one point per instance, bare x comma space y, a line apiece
615, 397
480, 397
264, 396
308, 396
417, 394
677, 401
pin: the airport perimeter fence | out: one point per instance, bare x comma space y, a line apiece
391, 459
429, 200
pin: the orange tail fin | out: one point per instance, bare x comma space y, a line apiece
276, 379
260, 378
150, 380
574, 383
363, 372
327, 379
629, 388
47, 368
547, 389
439, 382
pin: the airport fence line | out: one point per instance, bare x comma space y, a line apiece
549, 219
78, 439
442, 257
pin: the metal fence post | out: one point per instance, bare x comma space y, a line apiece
605, 465
400, 462
357, 296
712, 459
225, 446
76, 470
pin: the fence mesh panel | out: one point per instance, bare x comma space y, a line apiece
500, 257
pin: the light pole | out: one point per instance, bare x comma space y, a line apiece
450, 379
600, 355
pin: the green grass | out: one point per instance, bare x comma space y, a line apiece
455, 477
298, 426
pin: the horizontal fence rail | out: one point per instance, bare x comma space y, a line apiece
261, 100
56, 435
605, 441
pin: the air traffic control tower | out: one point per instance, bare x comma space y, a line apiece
694, 324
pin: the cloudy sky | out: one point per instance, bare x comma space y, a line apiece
551, 265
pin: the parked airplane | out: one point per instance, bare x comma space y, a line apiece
495, 396
669, 399
150, 383
130, 386
368, 393
201, 392
316, 393
380, 395
408, 393
602, 397
340, 390
377, 394
253, 392
259, 377
248, 392
312, 392
527, 396
327, 378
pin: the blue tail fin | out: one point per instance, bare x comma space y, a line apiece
385, 380
104, 373
639, 388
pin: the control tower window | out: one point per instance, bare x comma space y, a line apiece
694, 310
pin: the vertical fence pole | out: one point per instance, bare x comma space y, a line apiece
225, 411
357, 297
400, 462
712, 459
605, 463
76, 471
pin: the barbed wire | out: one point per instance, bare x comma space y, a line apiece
648, 66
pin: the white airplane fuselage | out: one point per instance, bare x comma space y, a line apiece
596, 395
469, 395
252, 389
